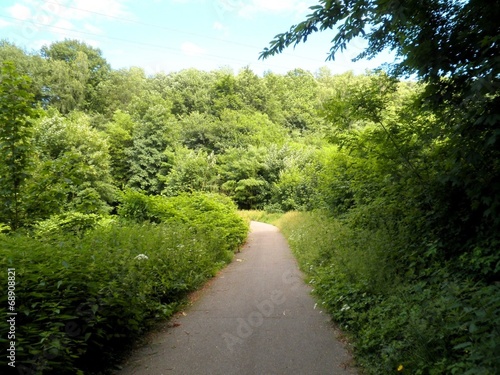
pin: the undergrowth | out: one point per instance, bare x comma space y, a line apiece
259, 215
84, 292
440, 322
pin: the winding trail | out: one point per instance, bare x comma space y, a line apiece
255, 317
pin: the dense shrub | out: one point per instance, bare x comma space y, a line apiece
80, 299
210, 213
442, 322
70, 222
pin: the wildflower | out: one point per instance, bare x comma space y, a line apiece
141, 257
400, 368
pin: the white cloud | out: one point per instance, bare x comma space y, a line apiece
192, 49
92, 29
64, 18
20, 12
63, 25
110, 8
63, 29
4, 23
218, 26
296, 7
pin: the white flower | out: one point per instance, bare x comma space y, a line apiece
141, 257
345, 308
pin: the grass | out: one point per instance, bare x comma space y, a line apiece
258, 215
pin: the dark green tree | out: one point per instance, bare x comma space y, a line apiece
225, 95
148, 156
120, 139
119, 90
241, 176
16, 112
453, 47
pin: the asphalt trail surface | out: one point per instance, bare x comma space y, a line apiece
255, 317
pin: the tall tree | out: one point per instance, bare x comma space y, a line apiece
120, 140
225, 92
118, 91
32, 65
452, 46
66, 84
252, 90
152, 135
189, 90
16, 112
96, 66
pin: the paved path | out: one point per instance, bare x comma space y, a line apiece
256, 317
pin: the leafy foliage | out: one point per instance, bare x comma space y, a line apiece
16, 110
75, 223
147, 155
73, 168
192, 170
402, 177
428, 326
120, 132
83, 60
82, 298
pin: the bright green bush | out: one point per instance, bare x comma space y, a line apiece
70, 222
210, 213
72, 168
80, 299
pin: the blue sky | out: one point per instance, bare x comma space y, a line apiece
170, 35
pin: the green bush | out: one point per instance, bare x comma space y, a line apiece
439, 323
210, 213
81, 299
74, 223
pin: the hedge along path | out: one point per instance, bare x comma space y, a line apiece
255, 317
